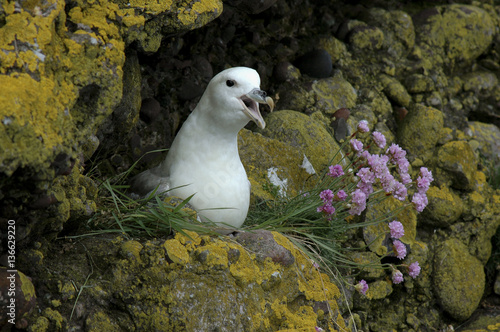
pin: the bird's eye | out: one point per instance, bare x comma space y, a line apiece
229, 83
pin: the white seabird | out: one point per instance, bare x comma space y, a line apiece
203, 159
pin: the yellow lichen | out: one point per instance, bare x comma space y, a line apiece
133, 249
189, 16
151, 7
55, 316
27, 288
176, 251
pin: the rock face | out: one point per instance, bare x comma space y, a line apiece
459, 33
458, 279
88, 87
193, 283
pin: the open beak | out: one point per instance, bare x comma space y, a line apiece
251, 103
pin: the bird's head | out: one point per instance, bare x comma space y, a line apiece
235, 94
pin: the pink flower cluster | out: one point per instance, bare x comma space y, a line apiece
397, 231
413, 271
377, 167
327, 198
373, 171
361, 287
335, 171
424, 180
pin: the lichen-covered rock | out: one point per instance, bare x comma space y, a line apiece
420, 131
459, 162
454, 34
418, 83
305, 134
379, 289
486, 138
458, 279
325, 95
397, 27
333, 93
372, 267
366, 37
191, 282
395, 91
445, 207
158, 18
478, 82
273, 166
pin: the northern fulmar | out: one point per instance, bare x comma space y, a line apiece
203, 159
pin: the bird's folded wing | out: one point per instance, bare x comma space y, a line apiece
144, 183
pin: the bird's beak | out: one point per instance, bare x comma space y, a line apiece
251, 102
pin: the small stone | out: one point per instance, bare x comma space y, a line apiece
263, 244
334, 93
366, 37
459, 279
418, 83
190, 89
250, 6
395, 91
444, 209
420, 130
459, 162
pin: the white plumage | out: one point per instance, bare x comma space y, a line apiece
203, 159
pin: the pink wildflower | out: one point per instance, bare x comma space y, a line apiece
414, 270
400, 249
400, 192
356, 145
340, 196
365, 187
327, 209
361, 287
365, 155
378, 164
379, 139
397, 229
335, 171
358, 202
397, 277
424, 180
405, 178
326, 195
388, 182
366, 179
318, 329
363, 126
403, 165
396, 152
366, 175
420, 201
